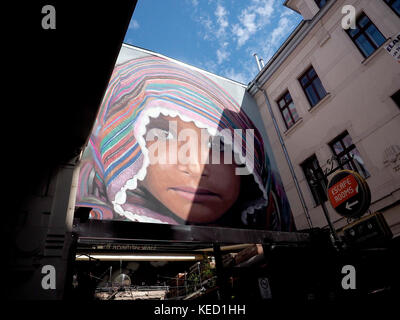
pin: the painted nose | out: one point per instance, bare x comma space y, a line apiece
196, 163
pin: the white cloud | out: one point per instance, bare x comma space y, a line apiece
134, 25
259, 26
280, 31
241, 34
209, 65
248, 21
237, 76
208, 26
222, 55
207, 22
287, 12
252, 19
271, 43
220, 12
265, 8
222, 20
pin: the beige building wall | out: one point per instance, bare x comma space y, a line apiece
358, 100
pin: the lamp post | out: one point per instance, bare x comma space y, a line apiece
318, 179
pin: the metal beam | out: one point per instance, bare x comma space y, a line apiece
125, 230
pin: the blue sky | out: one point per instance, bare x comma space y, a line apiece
219, 36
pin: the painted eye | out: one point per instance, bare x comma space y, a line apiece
165, 134
162, 134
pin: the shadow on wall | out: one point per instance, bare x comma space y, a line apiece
174, 112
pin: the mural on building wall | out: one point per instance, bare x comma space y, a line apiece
170, 145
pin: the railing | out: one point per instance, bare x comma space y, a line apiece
132, 288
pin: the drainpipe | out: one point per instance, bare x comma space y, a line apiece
299, 192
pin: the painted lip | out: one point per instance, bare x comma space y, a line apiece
196, 194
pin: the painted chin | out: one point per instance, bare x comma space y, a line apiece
193, 195
197, 212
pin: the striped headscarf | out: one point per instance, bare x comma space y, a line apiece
116, 155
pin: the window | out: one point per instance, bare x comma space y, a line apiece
287, 109
347, 154
312, 86
396, 98
366, 36
395, 5
321, 3
311, 169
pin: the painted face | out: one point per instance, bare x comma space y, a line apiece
195, 191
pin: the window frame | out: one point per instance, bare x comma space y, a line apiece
346, 153
321, 188
286, 106
396, 98
318, 3
362, 31
311, 83
389, 4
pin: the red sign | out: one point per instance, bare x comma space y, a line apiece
343, 190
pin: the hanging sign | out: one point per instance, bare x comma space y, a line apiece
349, 194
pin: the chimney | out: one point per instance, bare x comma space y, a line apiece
257, 61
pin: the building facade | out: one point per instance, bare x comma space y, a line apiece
335, 92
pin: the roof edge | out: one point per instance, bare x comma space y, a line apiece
183, 64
